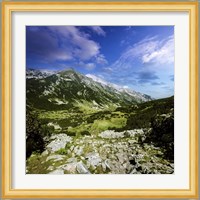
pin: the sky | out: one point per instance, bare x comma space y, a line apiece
139, 58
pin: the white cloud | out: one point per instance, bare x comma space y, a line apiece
77, 45
162, 54
108, 69
88, 66
98, 30
75, 42
100, 59
148, 50
60, 55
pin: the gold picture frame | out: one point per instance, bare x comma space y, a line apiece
8, 8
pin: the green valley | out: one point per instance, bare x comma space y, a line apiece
80, 126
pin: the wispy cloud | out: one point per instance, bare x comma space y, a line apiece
161, 53
147, 51
123, 55
157, 83
100, 59
98, 30
88, 66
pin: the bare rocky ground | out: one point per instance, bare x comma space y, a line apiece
109, 152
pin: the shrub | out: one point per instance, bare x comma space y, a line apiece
85, 133
162, 134
35, 132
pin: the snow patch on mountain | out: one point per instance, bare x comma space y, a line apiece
97, 79
79, 86
121, 89
38, 74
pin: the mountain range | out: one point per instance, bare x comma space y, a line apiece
82, 124
68, 89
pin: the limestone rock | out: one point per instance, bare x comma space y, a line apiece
82, 169
57, 171
58, 141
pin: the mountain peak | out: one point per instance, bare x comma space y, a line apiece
82, 88
68, 71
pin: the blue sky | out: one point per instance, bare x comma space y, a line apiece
140, 58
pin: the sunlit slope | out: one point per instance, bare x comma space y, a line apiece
72, 90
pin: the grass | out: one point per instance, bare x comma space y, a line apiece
79, 129
89, 108
93, 119
54, 114
61, 151
74, 123
102, 125
99, 125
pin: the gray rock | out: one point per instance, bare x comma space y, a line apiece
70, 168
120, 157
72, 160
107, 164
82, 169
93, 159
103, 166
78, 150
132, 141
111, 134
58, 141
55, 157
57, 171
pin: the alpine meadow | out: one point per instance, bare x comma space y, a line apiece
99, 100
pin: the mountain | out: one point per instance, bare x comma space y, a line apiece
77, 124
38, 74
71, 90
137, 95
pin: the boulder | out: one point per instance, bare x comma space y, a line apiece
82, 169
58, 141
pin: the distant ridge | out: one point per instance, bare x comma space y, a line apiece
70, 89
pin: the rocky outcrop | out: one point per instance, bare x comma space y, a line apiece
108, 153
57, 142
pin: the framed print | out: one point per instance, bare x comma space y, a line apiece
100, 100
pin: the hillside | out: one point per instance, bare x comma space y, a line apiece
78, 124
71, 90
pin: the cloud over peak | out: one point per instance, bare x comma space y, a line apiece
138, 57
64, 43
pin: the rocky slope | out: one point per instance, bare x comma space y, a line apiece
78, 124
108, 153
